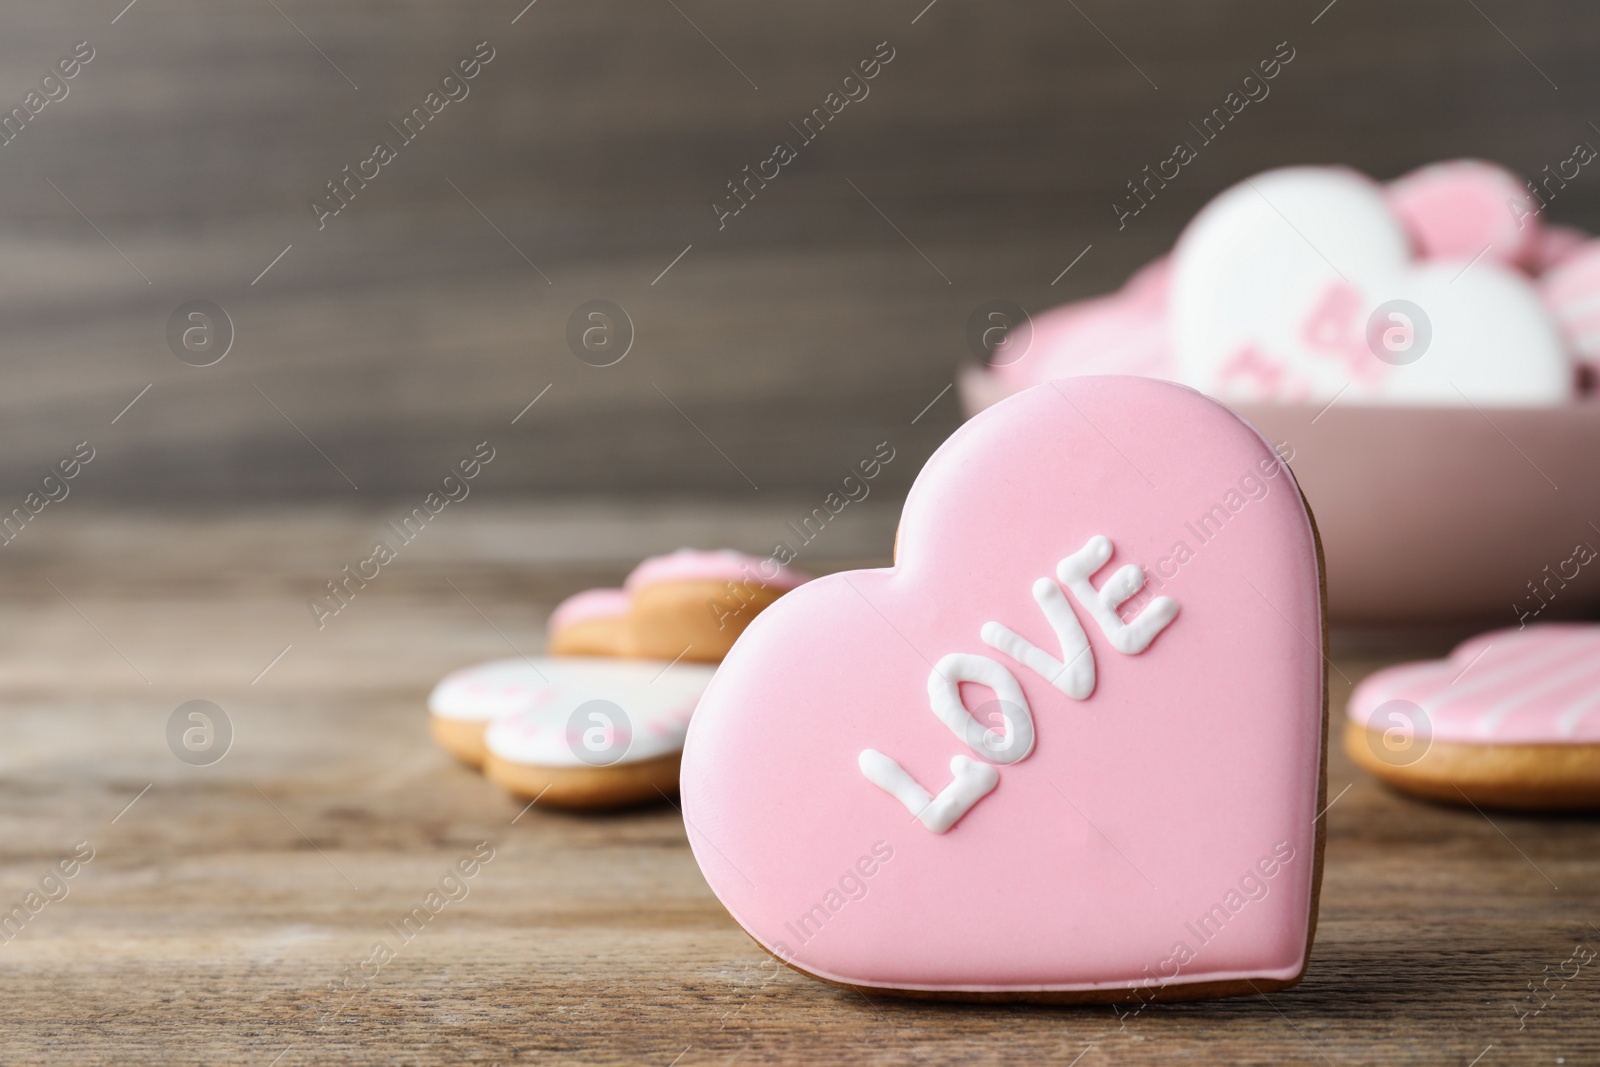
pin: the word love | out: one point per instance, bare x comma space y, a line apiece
1073, 674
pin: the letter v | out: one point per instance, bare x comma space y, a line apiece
1073, 674
972, 782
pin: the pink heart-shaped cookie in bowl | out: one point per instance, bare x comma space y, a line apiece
1068, 747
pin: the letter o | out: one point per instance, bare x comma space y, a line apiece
944, 698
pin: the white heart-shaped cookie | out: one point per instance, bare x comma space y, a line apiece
1299, 285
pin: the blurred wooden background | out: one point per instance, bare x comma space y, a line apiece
822, 320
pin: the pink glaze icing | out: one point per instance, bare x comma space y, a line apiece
723, 565
589, 605
1186, 781
1121, 333
1555, 245
1454, 209
1536, 686
1571, 292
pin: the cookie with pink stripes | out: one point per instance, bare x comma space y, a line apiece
1571, 292
1555, 246
1510, 719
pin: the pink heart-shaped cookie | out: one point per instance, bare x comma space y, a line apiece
1124, 332
1511, 718
1461, 208
1068, 747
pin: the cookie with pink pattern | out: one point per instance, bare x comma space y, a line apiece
1511, 719
1124, 332
695, 604
1069, 747
1555, 246
688, 604
1121, 333
1571, 291
591, 623
1301, 285
579, 732
1462, 209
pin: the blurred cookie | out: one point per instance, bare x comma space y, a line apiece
1571, 292
591, 623
687, 604
696, 604
1461, 209
1511, 719
1555, 246
601, 733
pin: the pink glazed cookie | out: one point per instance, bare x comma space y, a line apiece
694, 604
591, 623
1463, 208
1510, 719
1571, 292
687, 604
1124, 332
1121, 333
1069, 748
1555, 246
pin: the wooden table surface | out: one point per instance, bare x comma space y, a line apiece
227, 909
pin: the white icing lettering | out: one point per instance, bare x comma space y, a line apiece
944, 697
1073, 674
1129, 638
972, 781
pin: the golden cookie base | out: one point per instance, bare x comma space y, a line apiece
462, 738
1516, 777
615, 786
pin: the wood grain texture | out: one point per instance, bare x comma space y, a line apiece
819, 321
222, 908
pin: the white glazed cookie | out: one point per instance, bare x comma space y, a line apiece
1300, 285
575, 732
462, 706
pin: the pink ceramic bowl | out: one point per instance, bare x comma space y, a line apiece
1447, 515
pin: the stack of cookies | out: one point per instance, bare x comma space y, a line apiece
600, 721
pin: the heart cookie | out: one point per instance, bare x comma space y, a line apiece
591, 623
1299, 285
1571, 291
1124, 332
688, 605
1121, 333
575, 732
1511, 719
1462, 208
465, 703
1069, 747
1555, 246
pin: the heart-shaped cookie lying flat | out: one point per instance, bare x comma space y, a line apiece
1300, 285
1001, 768
604, 733
1509, 719
465, 705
